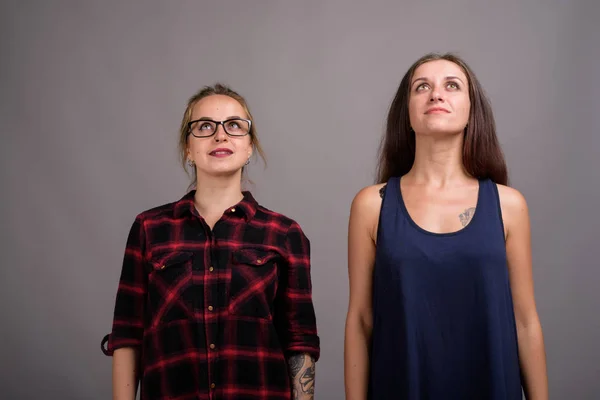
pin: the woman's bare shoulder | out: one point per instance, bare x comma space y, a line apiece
366, 206
514, 207
511, 199
368, 199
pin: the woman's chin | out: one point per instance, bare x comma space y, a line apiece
222, 172
440, 131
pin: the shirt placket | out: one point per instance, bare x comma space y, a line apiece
212, 311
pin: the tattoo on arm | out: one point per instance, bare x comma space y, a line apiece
302, 373
466, 216
307, 380
295, 363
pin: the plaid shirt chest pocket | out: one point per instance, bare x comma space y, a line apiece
254, 282
170, 291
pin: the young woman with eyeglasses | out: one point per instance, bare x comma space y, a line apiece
214, 299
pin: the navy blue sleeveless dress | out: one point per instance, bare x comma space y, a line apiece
443, 320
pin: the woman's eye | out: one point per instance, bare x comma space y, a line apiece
452, 85
421, 86
205, 126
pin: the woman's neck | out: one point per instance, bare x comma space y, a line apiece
216, 194
438, 160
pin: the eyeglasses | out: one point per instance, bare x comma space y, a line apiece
202, 128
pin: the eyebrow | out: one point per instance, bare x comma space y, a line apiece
425, 79
210, 119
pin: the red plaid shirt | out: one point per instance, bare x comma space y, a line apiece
216, 313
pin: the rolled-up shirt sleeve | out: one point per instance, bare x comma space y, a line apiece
295, 316
128, 319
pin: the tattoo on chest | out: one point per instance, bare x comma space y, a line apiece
382, 190
466, 216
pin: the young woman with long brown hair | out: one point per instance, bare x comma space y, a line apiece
439, 256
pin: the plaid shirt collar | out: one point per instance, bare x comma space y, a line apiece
246, 207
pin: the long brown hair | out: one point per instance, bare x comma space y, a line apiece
482, 155
222, 89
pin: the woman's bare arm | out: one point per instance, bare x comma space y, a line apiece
125, 373
529, 330
362, 229
302, 373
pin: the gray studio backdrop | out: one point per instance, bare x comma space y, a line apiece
92, 93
